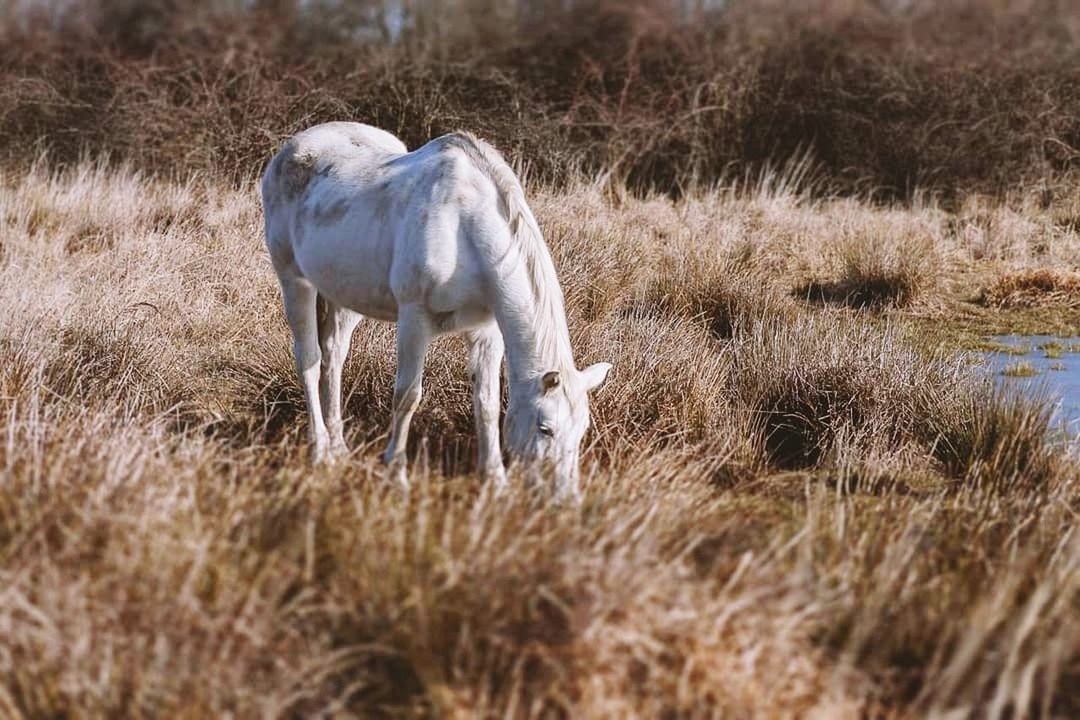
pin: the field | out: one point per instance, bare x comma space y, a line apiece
802, 499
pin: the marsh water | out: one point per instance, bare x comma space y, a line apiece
1041, 364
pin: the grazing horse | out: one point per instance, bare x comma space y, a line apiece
439, 240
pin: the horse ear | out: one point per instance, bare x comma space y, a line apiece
550, 381
595, 375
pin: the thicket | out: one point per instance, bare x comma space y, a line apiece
948, 97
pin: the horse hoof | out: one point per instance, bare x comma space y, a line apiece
397, 477
568, 498
495, 481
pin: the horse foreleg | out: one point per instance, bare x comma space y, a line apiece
336, 326
485, 363
413, 337
299, 298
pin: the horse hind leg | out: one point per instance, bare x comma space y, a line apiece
336, 326
299, 298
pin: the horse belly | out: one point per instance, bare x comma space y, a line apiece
349, 263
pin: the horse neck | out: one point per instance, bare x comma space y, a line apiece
532, 319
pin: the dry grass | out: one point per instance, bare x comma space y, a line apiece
796, 503
1020, 369
789, 510
879, 271
1034, 288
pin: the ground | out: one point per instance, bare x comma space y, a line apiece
801, 499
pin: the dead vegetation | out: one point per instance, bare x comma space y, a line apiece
940, 97
776, 493
1035, 287
877, 272
797, 503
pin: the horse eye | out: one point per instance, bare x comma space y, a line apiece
546, 429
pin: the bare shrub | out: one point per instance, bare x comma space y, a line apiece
885, 103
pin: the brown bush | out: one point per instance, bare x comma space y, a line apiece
885, 101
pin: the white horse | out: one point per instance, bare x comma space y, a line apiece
439, 240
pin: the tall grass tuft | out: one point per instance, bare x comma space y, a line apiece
1033, 288
1003, 444
878, 272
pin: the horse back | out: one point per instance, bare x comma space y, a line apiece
372, 226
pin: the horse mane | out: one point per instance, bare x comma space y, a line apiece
553, 337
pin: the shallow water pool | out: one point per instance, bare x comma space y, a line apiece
1041, 364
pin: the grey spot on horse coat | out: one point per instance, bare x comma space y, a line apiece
296, 172
328, 214
443, 321
383, 201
